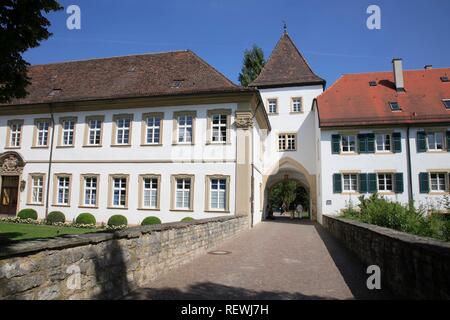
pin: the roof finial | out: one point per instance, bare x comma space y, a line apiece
284, 27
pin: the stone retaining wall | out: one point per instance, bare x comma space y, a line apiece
411, 266
106, 265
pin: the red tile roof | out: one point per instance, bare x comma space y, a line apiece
286, 67
351, 101
159, 74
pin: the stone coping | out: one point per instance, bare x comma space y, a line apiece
26, 247
440, 247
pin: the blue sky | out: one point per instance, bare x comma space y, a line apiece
331, 34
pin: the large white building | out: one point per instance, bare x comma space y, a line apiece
167, 135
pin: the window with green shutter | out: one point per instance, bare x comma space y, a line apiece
421, 141
370, 142
397, 142
363, 183
424, 183
336, 144
337, 183
398, 184
372, 177
362, 143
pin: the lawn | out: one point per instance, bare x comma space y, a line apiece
17, 231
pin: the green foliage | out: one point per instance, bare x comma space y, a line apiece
56, 217
288, 192
117, 221
150, 221
187, 219
27, 214
381, 212
253, 64
22, 26
86, 219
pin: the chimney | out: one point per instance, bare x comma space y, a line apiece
428, 67
398, 75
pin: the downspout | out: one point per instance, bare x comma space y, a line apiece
50, 160
408, 154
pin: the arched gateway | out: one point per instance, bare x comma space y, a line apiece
11, 167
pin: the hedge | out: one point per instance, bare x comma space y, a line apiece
27, 214
86, 218
56, 217
150, 221
117, 220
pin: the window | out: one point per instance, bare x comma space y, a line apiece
394, 106
150, 192
435, 141
438, 181
219, 128
90, 184
123, 130
62, 190
350, 182
218, 194
67, 132
185, 129
153, 129
42, 128
287, 142
94, 128
385, 182
36, 188
297, 105
15, 134
119, 191
182, 187
273, 106
446, 103
383, 142
348, 143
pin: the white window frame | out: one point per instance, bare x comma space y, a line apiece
37, 188
272, 106
287, 142
90, 201
384, 145
153, 192
68, 133
385, 177
186, 193
445, 101
183, 129
94, 132
151, 130
348, 144
297, 105
219, 192
15, 134
438, 182
63, 190
352, 182
433, 147
123, 131
42, 133
122, 190
220, 127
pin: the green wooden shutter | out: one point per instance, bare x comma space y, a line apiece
335, 144
424, 183
448, 141
397, 142
421, 141
372, 177
337, 183
370, 143
398, 185
362, 143
363, 183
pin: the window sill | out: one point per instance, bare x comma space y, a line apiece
438, 193
181, 210
88, 207
387, 193
151, 145
348, 153
65, 147
61, 205
218, 143
287, 150
217, 211
273, 114
149, 209
35, 204
188, 144
120, 145
39, 147
296, 112
117, 208
92, 146
349, 193
384, 152
437, 151
12, 148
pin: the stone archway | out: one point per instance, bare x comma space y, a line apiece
289, 169
11, 168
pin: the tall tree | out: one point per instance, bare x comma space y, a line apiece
253, 64
22, 26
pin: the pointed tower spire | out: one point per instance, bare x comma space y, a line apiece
286, 67
284, 27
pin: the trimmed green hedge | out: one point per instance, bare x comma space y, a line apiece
117, 220
86, 218
27, 214
187, 219
56, 217
150, 221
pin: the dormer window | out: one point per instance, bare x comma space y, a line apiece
394, 106
373, 83
446, 103
444, 79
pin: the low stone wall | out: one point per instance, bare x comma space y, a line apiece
411, 266
106, 265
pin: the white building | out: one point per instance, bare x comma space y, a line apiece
167, 135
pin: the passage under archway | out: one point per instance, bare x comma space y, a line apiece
289, 197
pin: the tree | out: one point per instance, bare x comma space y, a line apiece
289, 194
253, 64
22, 26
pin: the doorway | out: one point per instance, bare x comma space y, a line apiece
9, 195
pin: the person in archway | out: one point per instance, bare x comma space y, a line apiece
299, 210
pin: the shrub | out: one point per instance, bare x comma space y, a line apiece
117, 220
27, 214
86, 218
187, 219
56, 217
150, 221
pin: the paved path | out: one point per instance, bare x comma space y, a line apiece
276, 260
